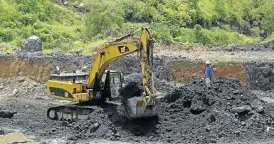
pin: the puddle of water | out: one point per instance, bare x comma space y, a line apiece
15, 138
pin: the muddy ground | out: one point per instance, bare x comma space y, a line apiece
228, 112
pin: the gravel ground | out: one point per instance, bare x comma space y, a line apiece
238, 53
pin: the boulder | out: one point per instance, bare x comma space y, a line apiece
84, 69
2, 132
21, 79
32, 44
241, 109
14, 92
257, 106
6, 114
109, 33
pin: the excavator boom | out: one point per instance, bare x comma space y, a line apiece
121, 47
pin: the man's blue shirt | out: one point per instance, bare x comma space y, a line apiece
208, 71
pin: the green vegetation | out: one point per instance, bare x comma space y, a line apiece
54, 24
76, 26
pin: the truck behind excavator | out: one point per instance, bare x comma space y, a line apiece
95, 88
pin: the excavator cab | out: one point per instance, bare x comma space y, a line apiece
116, 82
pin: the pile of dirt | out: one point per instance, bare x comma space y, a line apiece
227, 111
260, 76
160, 85
192, 113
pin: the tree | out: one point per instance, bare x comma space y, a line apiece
268, 17
195, 11
201, 36
104, 16
220, 9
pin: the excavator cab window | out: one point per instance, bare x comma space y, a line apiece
115, 82
116, 79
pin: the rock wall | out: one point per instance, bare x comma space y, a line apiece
38, 68
185, 71
15, 66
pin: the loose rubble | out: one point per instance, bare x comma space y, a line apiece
269, 46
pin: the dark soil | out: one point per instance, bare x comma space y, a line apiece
189, 114
260, 76
227, 111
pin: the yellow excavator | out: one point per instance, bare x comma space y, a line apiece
101, 85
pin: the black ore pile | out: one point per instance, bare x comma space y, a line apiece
260, 76
227, 111
189, 114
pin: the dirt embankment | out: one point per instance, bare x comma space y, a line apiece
256, 75
39, 67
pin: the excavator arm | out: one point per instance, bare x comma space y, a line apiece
121, 47
106, 55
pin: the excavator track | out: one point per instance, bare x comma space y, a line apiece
72, 112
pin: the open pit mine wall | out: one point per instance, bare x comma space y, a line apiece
257, 76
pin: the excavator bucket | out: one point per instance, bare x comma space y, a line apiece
140, 107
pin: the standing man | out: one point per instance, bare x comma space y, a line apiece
208, 73
57, 70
